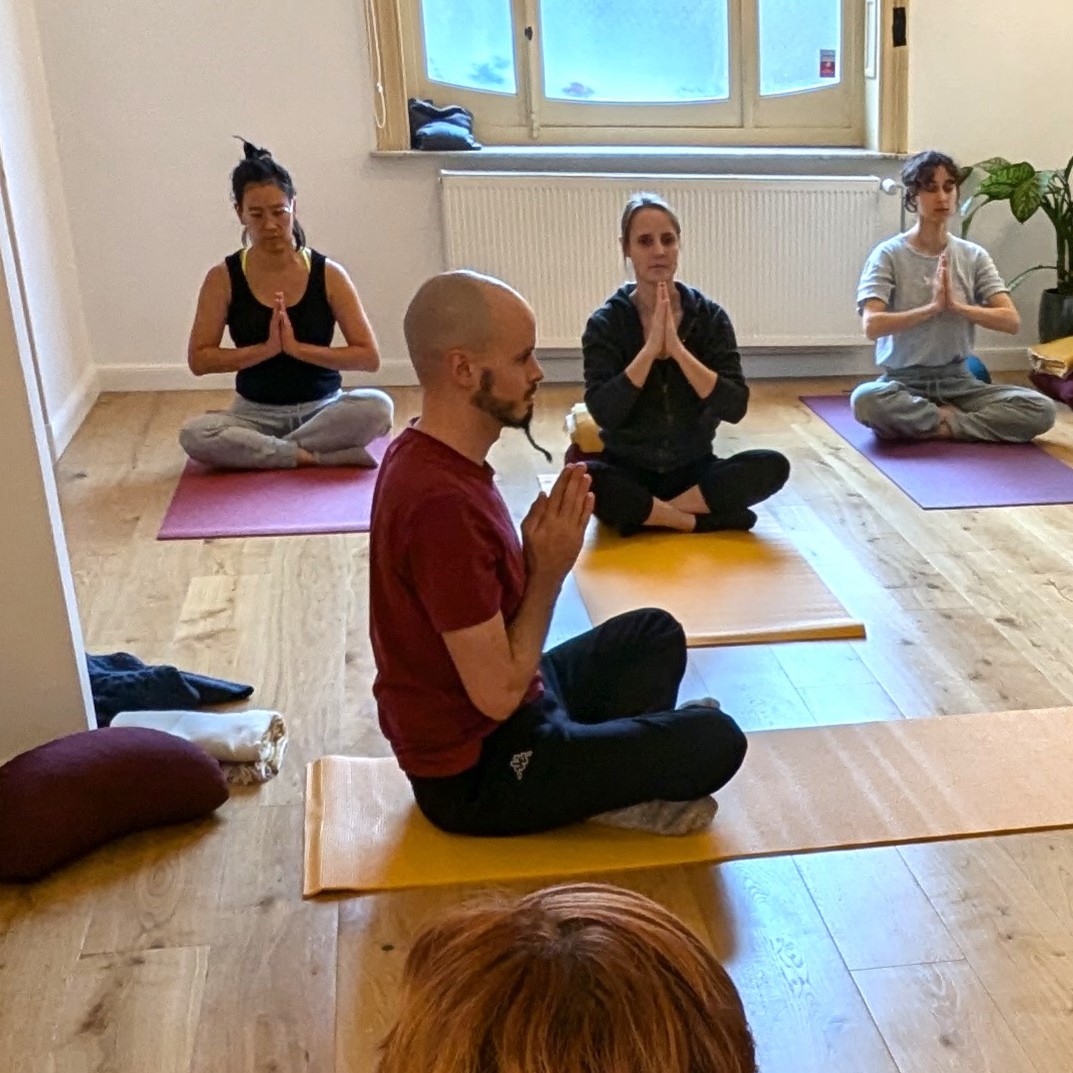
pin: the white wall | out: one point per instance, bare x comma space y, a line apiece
43, 679
146, 96
990, 78
46, 276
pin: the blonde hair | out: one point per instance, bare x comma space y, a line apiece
579, 978
644, 200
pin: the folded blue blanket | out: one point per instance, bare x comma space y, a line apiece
122, 682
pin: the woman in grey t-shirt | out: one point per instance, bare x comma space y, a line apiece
921, 296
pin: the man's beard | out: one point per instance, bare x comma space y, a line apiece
504, 412
485, 399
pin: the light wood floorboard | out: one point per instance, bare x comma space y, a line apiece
191, 950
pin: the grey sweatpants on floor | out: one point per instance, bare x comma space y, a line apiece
904, 404
252, 435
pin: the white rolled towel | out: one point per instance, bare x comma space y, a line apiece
249, 744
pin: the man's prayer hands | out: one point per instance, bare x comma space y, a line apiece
554, 528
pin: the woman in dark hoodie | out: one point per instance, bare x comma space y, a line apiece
662, 370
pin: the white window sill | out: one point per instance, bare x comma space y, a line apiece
642, 158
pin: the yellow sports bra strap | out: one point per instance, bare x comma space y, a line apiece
304, 251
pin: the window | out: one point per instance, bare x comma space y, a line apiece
716, 72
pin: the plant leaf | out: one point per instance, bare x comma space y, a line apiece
1002, 182
1068, 169
1025, 200
964, 173
991, 163
1044, 180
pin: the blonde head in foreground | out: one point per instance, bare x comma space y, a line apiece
580, 978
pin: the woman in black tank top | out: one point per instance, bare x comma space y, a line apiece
281, 302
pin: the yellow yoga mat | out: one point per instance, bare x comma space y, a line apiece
818, 788
725, 588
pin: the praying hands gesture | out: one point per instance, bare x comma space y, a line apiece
661, 339
672, 345
662, 343
555, 526
281, 328
942, 296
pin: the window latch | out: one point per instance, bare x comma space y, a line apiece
897, 27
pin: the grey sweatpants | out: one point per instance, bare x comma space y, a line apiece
253, 435
904, 404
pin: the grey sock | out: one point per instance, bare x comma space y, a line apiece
701, 702
662, 817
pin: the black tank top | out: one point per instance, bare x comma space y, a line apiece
282, 380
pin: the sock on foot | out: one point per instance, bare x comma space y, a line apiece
719, 520
701, 702
662, 817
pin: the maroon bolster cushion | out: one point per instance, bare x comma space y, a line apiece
575, 454
1057, 387
65, 798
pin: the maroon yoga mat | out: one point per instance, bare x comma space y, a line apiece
271, 502
941, 474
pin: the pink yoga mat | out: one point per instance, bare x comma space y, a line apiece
271, 502
939, 474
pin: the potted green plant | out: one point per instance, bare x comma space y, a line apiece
1028, 190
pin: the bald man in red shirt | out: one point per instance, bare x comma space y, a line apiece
496, 736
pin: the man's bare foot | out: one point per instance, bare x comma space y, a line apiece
306, 458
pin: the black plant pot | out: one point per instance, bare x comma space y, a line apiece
1055, 315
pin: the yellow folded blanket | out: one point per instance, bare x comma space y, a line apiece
1055, 357
583, 430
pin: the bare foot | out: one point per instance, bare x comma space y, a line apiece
945, 431
665, 516
690, 502
306, 458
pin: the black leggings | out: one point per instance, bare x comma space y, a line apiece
624, 493
605, 735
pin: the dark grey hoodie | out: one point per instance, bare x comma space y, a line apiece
663, 425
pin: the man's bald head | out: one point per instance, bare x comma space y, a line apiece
453, 311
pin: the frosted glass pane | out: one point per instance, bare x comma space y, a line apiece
800, 45
659, 51
470, 43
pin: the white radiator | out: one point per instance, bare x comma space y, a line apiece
781, 255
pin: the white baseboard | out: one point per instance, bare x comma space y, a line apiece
559, 367
68, 419
564, 366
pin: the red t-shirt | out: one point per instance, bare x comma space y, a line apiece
443, 556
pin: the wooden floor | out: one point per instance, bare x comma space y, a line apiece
192, 950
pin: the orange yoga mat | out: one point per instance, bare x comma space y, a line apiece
817, 788
725, 588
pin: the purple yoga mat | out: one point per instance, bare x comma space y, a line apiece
271, 502
940, 474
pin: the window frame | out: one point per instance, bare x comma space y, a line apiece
871, 112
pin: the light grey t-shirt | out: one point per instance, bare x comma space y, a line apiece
904, 278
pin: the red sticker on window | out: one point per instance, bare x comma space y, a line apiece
827, 63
